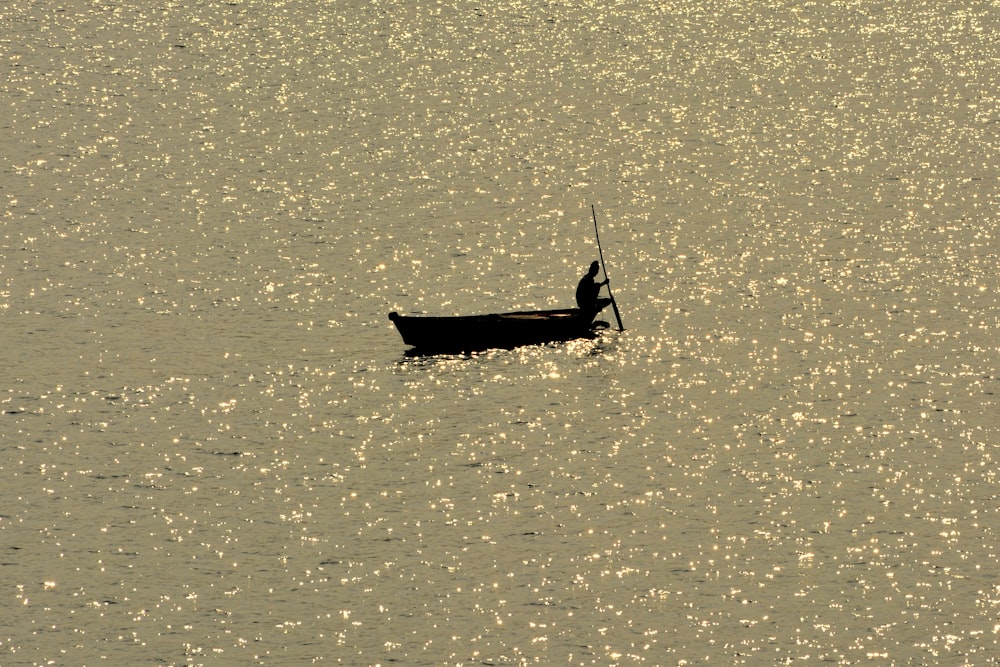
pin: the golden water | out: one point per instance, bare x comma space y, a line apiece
214, 450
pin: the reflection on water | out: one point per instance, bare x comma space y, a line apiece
215, 447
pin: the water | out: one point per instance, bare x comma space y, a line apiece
214, 450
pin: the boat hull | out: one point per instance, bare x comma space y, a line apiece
473, 333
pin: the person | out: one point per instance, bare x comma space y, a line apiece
588, 290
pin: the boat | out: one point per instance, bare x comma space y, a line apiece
474, 333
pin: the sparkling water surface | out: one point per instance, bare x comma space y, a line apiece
216, 451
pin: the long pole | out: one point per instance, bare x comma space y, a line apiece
614, 305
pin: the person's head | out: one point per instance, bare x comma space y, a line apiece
594, 268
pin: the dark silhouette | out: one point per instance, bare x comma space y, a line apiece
588, 290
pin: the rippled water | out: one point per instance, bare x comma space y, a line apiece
214, 450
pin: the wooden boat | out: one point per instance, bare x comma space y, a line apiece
473, 333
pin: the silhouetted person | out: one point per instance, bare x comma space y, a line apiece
588, 290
